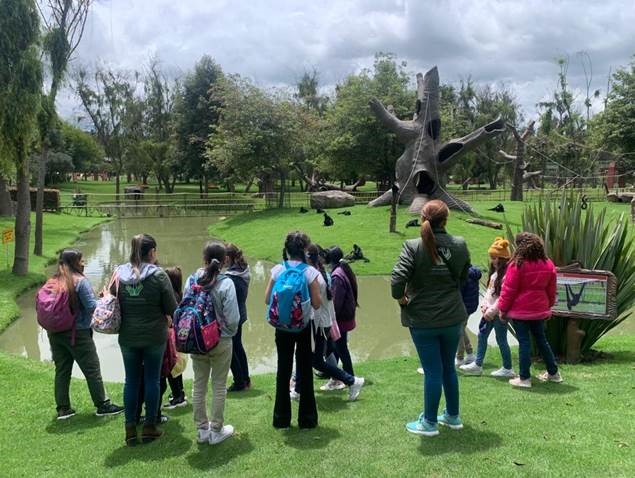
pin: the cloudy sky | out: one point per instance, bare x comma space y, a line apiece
273, 42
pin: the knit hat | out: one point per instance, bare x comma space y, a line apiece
500, 248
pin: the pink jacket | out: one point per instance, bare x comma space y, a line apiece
529, 291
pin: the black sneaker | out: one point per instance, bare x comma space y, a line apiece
108, 409
64, 413
175, 402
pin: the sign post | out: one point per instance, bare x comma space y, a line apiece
7, 238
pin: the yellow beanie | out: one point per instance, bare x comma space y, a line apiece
500, 248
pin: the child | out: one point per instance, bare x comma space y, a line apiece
499, 257
469, 294
178, 398
527, 296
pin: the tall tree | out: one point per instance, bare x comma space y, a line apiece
20, 91
64, 22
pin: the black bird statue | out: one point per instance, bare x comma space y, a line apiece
356, 255
319, 211
413, 223
328, 220
345, 213
303, 210
498, 208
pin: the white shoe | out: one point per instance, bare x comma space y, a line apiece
332, 384
353, 390
469, 358
202, 435
545, 377
504, 373
520, 383
458, 362
471, 369
420, 370
216, 437
294, 395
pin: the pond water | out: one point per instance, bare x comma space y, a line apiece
379, 333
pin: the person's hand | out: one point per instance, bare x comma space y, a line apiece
488, 316
169, 321
404, 300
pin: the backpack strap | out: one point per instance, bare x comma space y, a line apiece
447, 264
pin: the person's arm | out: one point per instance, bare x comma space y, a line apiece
314, 292
86, 296
401, 273
338, 291
268, 291
509, 290
552, 288
230, 307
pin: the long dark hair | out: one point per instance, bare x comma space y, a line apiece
68, 264
294, 246
335, 258
313, 253
433, 214
529, 247
235, 256
214, 256
142, 245
500, 270
175, 274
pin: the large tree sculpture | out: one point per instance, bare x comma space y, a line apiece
421, 171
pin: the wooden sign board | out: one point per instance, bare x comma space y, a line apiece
586, 294
7, 236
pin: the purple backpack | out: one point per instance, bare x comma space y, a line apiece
52, 304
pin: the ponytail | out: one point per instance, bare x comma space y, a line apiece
313, 251
433, 214
142, 244
214, 256
67, 265
429, 241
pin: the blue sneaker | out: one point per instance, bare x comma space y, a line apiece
423, 427
454, 423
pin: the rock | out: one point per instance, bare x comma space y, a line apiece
331, 200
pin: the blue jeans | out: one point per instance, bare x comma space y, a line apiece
500, 329
436, 348
142, 363
536, 328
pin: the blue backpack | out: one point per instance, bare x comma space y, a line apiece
290, 302
195, 325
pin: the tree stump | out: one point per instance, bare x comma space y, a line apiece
574, 340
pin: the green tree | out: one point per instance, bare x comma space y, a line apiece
86, 154
20, 91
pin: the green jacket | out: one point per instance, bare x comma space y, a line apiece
146, 300
433, 289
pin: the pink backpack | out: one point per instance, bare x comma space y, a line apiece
52, 304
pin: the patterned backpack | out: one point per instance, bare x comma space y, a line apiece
107, 315
290, 303
52, 304
195, 324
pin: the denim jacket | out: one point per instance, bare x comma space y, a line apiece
87, 303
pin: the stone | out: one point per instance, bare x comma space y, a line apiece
331, 200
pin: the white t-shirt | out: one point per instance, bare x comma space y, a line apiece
323, 317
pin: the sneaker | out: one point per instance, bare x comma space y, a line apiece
294, 395
458, 362
422, 427
420, 370
353, 390
64, 413
446, 420
471, 369
108, 409
469, 358
520, 383
176, 402
216, 437
504, 373
546, 377
202, 435
333, 384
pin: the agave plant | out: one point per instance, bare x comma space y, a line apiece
572, 234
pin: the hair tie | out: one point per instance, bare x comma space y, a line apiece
213, 262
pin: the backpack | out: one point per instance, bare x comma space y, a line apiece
107, 315
195, 324
470, 290
290, 303
53, 308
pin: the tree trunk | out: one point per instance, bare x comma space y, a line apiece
249, 184
283, 180
200, 186
39, 199
517, 177
22, 217
6, 208
117, 186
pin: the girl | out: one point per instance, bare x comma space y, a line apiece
321, 324
146, 298
527, 296
294, 251
217, 361
70, 275
431, 270
238, 272
178, 398
499, 257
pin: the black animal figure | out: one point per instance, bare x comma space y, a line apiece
303, 210
498, 208
319, 211
328, 220
413, 223
356, 255
585, 204
345, 213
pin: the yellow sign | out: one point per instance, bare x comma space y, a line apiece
7, 236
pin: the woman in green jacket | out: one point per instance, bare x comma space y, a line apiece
426, 282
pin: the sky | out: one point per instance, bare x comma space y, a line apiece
273, 42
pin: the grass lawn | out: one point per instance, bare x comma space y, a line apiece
60, 230
261, 235
583, 427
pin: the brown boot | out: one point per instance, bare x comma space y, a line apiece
150, 433
131, 435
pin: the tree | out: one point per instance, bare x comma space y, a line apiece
86, 154
64, 21
20, 90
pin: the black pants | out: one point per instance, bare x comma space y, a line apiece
239, 365
286, 344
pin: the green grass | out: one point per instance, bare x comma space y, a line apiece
583, 427
60, 230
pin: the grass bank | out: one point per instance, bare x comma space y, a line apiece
583, 427
59, 231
